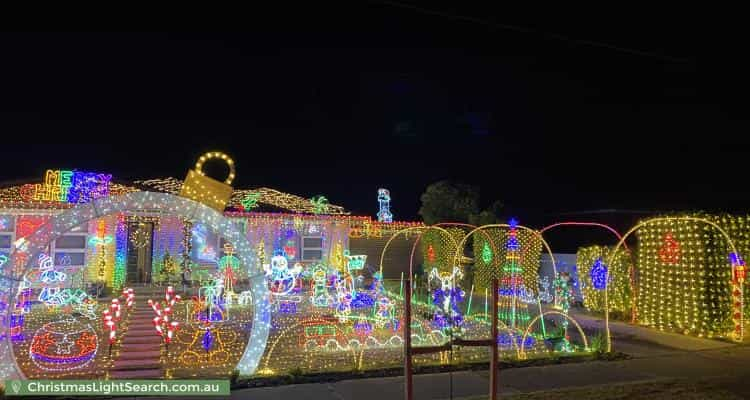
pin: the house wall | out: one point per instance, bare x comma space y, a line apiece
396, 260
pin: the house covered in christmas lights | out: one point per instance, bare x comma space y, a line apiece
150, 246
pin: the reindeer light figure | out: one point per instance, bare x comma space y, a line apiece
447, 296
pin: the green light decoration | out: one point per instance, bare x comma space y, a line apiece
486, 253
320, 204
250, 201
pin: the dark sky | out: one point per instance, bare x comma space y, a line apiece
652, 117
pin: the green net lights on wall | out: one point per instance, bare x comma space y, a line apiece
595, 276
685, 281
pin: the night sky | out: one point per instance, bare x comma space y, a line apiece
652, 116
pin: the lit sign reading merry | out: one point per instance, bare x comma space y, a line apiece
68, 186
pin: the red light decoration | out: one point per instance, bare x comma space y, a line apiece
670, 251
431, 254
28, 224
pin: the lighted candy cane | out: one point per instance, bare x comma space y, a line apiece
129, 295
161, 320
110, 324
171, 329
115, 308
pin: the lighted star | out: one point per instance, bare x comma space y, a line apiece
64, 346
513, 223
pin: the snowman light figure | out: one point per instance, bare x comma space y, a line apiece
446, 297
282, 278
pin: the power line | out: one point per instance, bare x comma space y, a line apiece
549, 35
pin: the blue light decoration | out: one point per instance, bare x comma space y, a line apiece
16, 326
204, 251
446, 298
86, 186
363, 328
362, 300
598, 275
121, 253
384, 199
5, 223
208, 340
505, 340
288, 307
513, 244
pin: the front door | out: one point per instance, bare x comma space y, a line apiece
140, 248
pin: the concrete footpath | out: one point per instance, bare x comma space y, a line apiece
728, 364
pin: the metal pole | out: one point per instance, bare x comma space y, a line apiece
408, 389
493, 346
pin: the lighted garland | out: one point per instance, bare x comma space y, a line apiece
594, 274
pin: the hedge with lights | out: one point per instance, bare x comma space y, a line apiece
684, 274
592, 269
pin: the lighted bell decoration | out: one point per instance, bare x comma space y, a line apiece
199, 187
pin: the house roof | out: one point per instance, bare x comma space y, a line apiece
268, 200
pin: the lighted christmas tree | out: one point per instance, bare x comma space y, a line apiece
513, 294
168, 266
486, 253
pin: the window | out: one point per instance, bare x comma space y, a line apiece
7, 234
70, 249
312, 248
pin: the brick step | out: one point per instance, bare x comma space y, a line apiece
133, 353
141, 322
121, 365
137, 374
141, 331
139, 347
141, 339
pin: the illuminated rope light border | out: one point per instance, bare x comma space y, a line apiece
633, 292
161, 202
660, 219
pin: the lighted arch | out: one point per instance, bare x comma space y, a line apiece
501, 325
460, 250
441, 224
460, 247
138, 202
659, 219
522, 353
406, 230
633, 313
